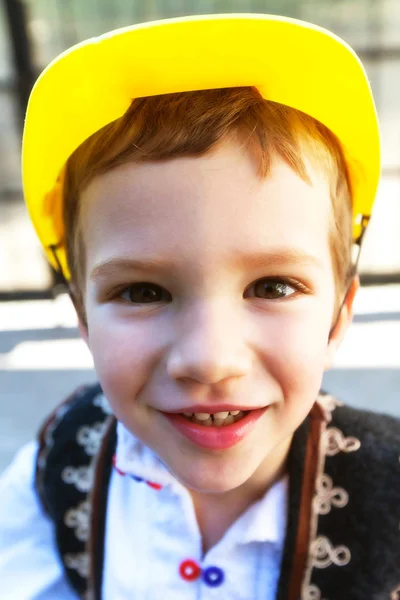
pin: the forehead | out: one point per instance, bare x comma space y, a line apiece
208, 207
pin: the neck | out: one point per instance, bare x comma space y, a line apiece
216, 512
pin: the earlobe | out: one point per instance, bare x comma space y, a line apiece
342, 324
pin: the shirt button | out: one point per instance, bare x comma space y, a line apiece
213, 576
189, 570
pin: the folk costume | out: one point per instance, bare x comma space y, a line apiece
329, 529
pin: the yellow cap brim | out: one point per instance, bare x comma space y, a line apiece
288, 61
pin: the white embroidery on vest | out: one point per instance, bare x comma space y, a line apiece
324, 554
78, 562
80, 477
90, 437
327, 495
335, 442
101, 402
312, 592
328, 403
321, 551
78, 519
48, 437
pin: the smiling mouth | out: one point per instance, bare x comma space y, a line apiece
219, 430
219, 419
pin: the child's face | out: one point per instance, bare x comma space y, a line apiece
210, 335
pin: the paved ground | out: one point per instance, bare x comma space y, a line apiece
42, 359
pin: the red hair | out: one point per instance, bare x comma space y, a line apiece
191, 124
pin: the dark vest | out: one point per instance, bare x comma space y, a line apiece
343, 533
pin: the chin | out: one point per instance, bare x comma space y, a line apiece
208, 480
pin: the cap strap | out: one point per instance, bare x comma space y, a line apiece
358, 242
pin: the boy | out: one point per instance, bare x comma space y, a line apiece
201, 182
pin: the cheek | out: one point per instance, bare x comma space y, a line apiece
123, 357
295, 354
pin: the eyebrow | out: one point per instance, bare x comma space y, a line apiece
277, 258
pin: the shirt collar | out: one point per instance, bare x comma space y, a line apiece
132, 457
263, 521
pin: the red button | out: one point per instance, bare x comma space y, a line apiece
189, 570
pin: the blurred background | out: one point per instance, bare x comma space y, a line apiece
41, 356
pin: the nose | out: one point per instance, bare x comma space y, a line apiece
210, 346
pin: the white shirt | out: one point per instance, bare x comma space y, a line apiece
149, 534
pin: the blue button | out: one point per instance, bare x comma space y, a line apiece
213, 576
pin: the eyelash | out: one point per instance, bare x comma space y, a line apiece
278, 281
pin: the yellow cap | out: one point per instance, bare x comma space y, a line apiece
288, 61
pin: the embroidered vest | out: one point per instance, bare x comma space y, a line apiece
342, 540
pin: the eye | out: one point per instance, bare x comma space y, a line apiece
144, 293
273, 289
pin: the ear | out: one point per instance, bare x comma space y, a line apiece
342, 324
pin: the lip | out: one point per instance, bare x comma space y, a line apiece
215, 438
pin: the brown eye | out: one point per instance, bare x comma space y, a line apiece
269, 289
143, 293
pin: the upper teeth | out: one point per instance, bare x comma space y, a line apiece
202, 416
218, 415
